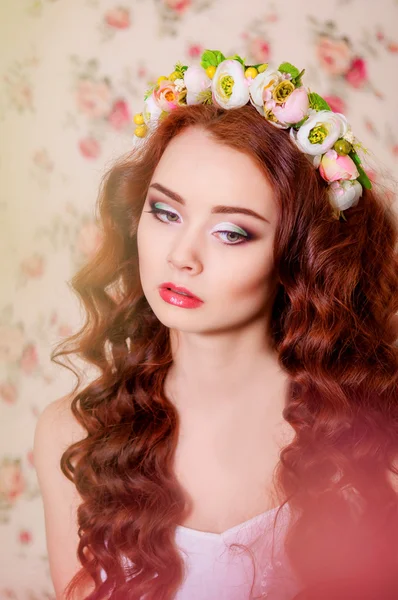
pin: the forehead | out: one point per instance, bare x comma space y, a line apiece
200, 168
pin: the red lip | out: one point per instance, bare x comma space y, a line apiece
176, 288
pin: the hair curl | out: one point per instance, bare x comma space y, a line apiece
331, 325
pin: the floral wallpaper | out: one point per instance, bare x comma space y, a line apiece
73, 73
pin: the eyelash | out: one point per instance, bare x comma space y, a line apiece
156, 211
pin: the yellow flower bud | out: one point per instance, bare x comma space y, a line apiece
342, 147
262, 68
173, 76
141, 131
161, 78
210, 71
138, 119
251, 72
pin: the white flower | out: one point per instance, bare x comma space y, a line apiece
321, 130
179, 84
316, 159
259, 86
349, 136
152, 110
345, 193
229, 86
196, 80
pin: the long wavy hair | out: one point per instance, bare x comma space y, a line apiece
331, 326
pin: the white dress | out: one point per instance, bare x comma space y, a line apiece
215, 571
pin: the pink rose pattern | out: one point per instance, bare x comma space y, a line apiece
89, 147
341, 59
118, 17
12, 482
98, 100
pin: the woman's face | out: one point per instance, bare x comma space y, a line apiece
198, 238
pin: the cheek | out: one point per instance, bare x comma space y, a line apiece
249, 280
147, 242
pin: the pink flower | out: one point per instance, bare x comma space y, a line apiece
372, 175
33, 266
64, 330
12, 483
89, 239
334, 167
21, 94
29, 359
370, 126
178, 6
142, 72
166, 96
294, 109
336, 103
334, 55
25, 537
195, 50
118, 17
120, 114
42, 159
93, 98
357, 74
8, 392
90, 147
12, 341
259, 49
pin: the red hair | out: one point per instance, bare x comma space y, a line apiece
331, 326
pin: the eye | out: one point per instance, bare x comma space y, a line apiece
238, 238
157, 212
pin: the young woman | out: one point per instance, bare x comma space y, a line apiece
239, 439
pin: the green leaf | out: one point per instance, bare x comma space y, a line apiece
297, 80
289, 68
180, 69
363, 178
238, 58
300, 123
317, 102
149, 91
220, 56
211, 58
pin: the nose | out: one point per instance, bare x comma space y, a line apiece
184, 254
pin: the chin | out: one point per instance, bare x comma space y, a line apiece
181, 321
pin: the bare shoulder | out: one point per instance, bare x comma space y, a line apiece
57, 420
56, 430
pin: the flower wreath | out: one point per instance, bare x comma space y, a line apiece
324, 136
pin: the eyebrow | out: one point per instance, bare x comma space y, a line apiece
216, 209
